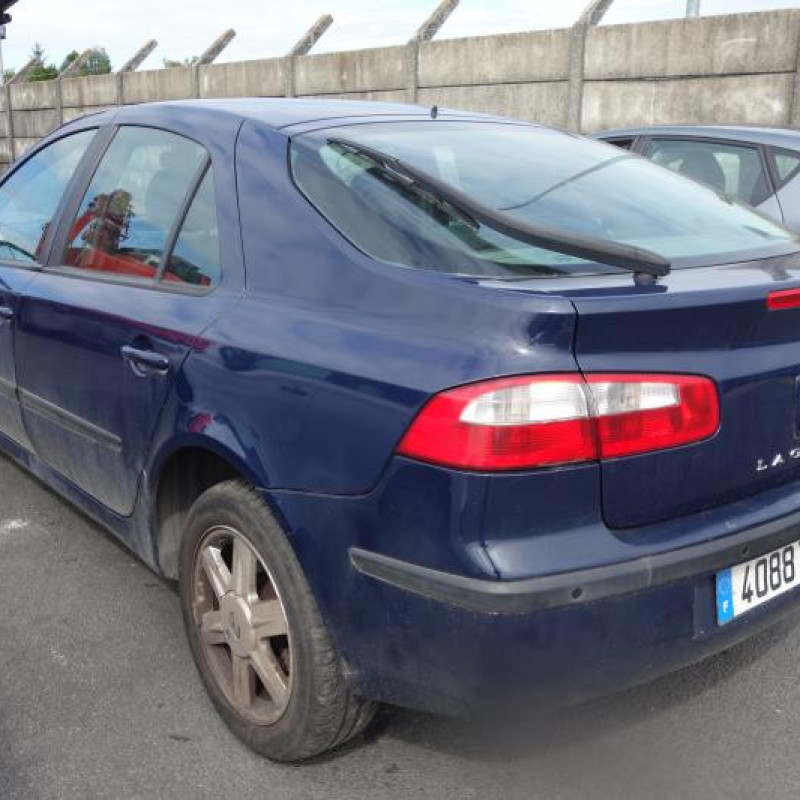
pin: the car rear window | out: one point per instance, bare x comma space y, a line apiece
539, 175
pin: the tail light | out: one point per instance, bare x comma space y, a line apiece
537, 421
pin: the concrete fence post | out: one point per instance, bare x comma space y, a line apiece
120, 89
289, 87
577, 50
304, 44
412, 71
135, 61
10, 118
793, 112
59, 102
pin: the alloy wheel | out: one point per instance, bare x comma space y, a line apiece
242, 625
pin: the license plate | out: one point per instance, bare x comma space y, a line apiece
746, 586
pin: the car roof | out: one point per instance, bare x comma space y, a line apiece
281, 113
758, 134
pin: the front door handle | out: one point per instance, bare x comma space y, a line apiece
6, 313
145, 362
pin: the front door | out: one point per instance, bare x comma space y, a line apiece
29, 197
103, 332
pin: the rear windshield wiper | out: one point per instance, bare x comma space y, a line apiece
645, 264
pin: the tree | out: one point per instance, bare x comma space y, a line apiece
42, 71
98, 62
68, 59
169, 63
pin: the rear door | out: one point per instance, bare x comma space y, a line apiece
29, 199
734, 169
134, 279
712, 321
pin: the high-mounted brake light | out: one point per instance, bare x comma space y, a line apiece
785, 298
537, 421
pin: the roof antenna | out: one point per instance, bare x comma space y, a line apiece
434, 112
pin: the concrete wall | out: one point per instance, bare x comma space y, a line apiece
732, 68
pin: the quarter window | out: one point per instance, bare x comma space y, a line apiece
623, 144
786, 164
195, 258
30, 196
124, 220
732, 170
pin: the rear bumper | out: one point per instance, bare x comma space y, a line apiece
578, 586
443, 593
462, 646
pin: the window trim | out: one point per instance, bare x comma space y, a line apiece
50, 237
55, 262
762, 149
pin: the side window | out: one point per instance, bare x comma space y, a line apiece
787, 164
734, 170
194, 259
30, 196
624, 144
132, 202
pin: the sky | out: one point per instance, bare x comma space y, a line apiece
268, 28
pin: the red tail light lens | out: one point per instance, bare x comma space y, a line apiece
785, 298
537, 421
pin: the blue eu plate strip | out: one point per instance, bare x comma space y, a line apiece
724, 597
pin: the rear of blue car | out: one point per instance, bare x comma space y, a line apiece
582, 478
519, 415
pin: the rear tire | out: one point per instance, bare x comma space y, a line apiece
256, 634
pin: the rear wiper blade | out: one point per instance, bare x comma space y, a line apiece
645, 264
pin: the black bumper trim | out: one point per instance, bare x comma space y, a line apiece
578, 586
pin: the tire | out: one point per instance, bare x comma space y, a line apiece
308, 709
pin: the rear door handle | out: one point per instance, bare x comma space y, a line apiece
6, 313
145, 362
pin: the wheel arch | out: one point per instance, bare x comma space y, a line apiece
180, 473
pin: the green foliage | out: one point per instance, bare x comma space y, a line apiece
42, 71
98, 63
169, 63
68, 59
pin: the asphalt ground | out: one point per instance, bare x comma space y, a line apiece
99, 699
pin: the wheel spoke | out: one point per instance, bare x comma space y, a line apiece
268, 619
217, 571
243, 682
211, 628
272, 676
245, 567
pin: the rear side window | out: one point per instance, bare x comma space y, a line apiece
538, 175
623, 144
734, 170
30, 196
132, 203
195, 258
787, 164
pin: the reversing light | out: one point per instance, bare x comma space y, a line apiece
545, 420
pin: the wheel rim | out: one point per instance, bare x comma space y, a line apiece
242, 626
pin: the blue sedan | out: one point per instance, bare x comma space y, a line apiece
418, 407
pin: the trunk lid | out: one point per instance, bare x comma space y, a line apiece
711, 321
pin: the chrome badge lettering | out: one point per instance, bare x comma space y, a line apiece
778, 460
